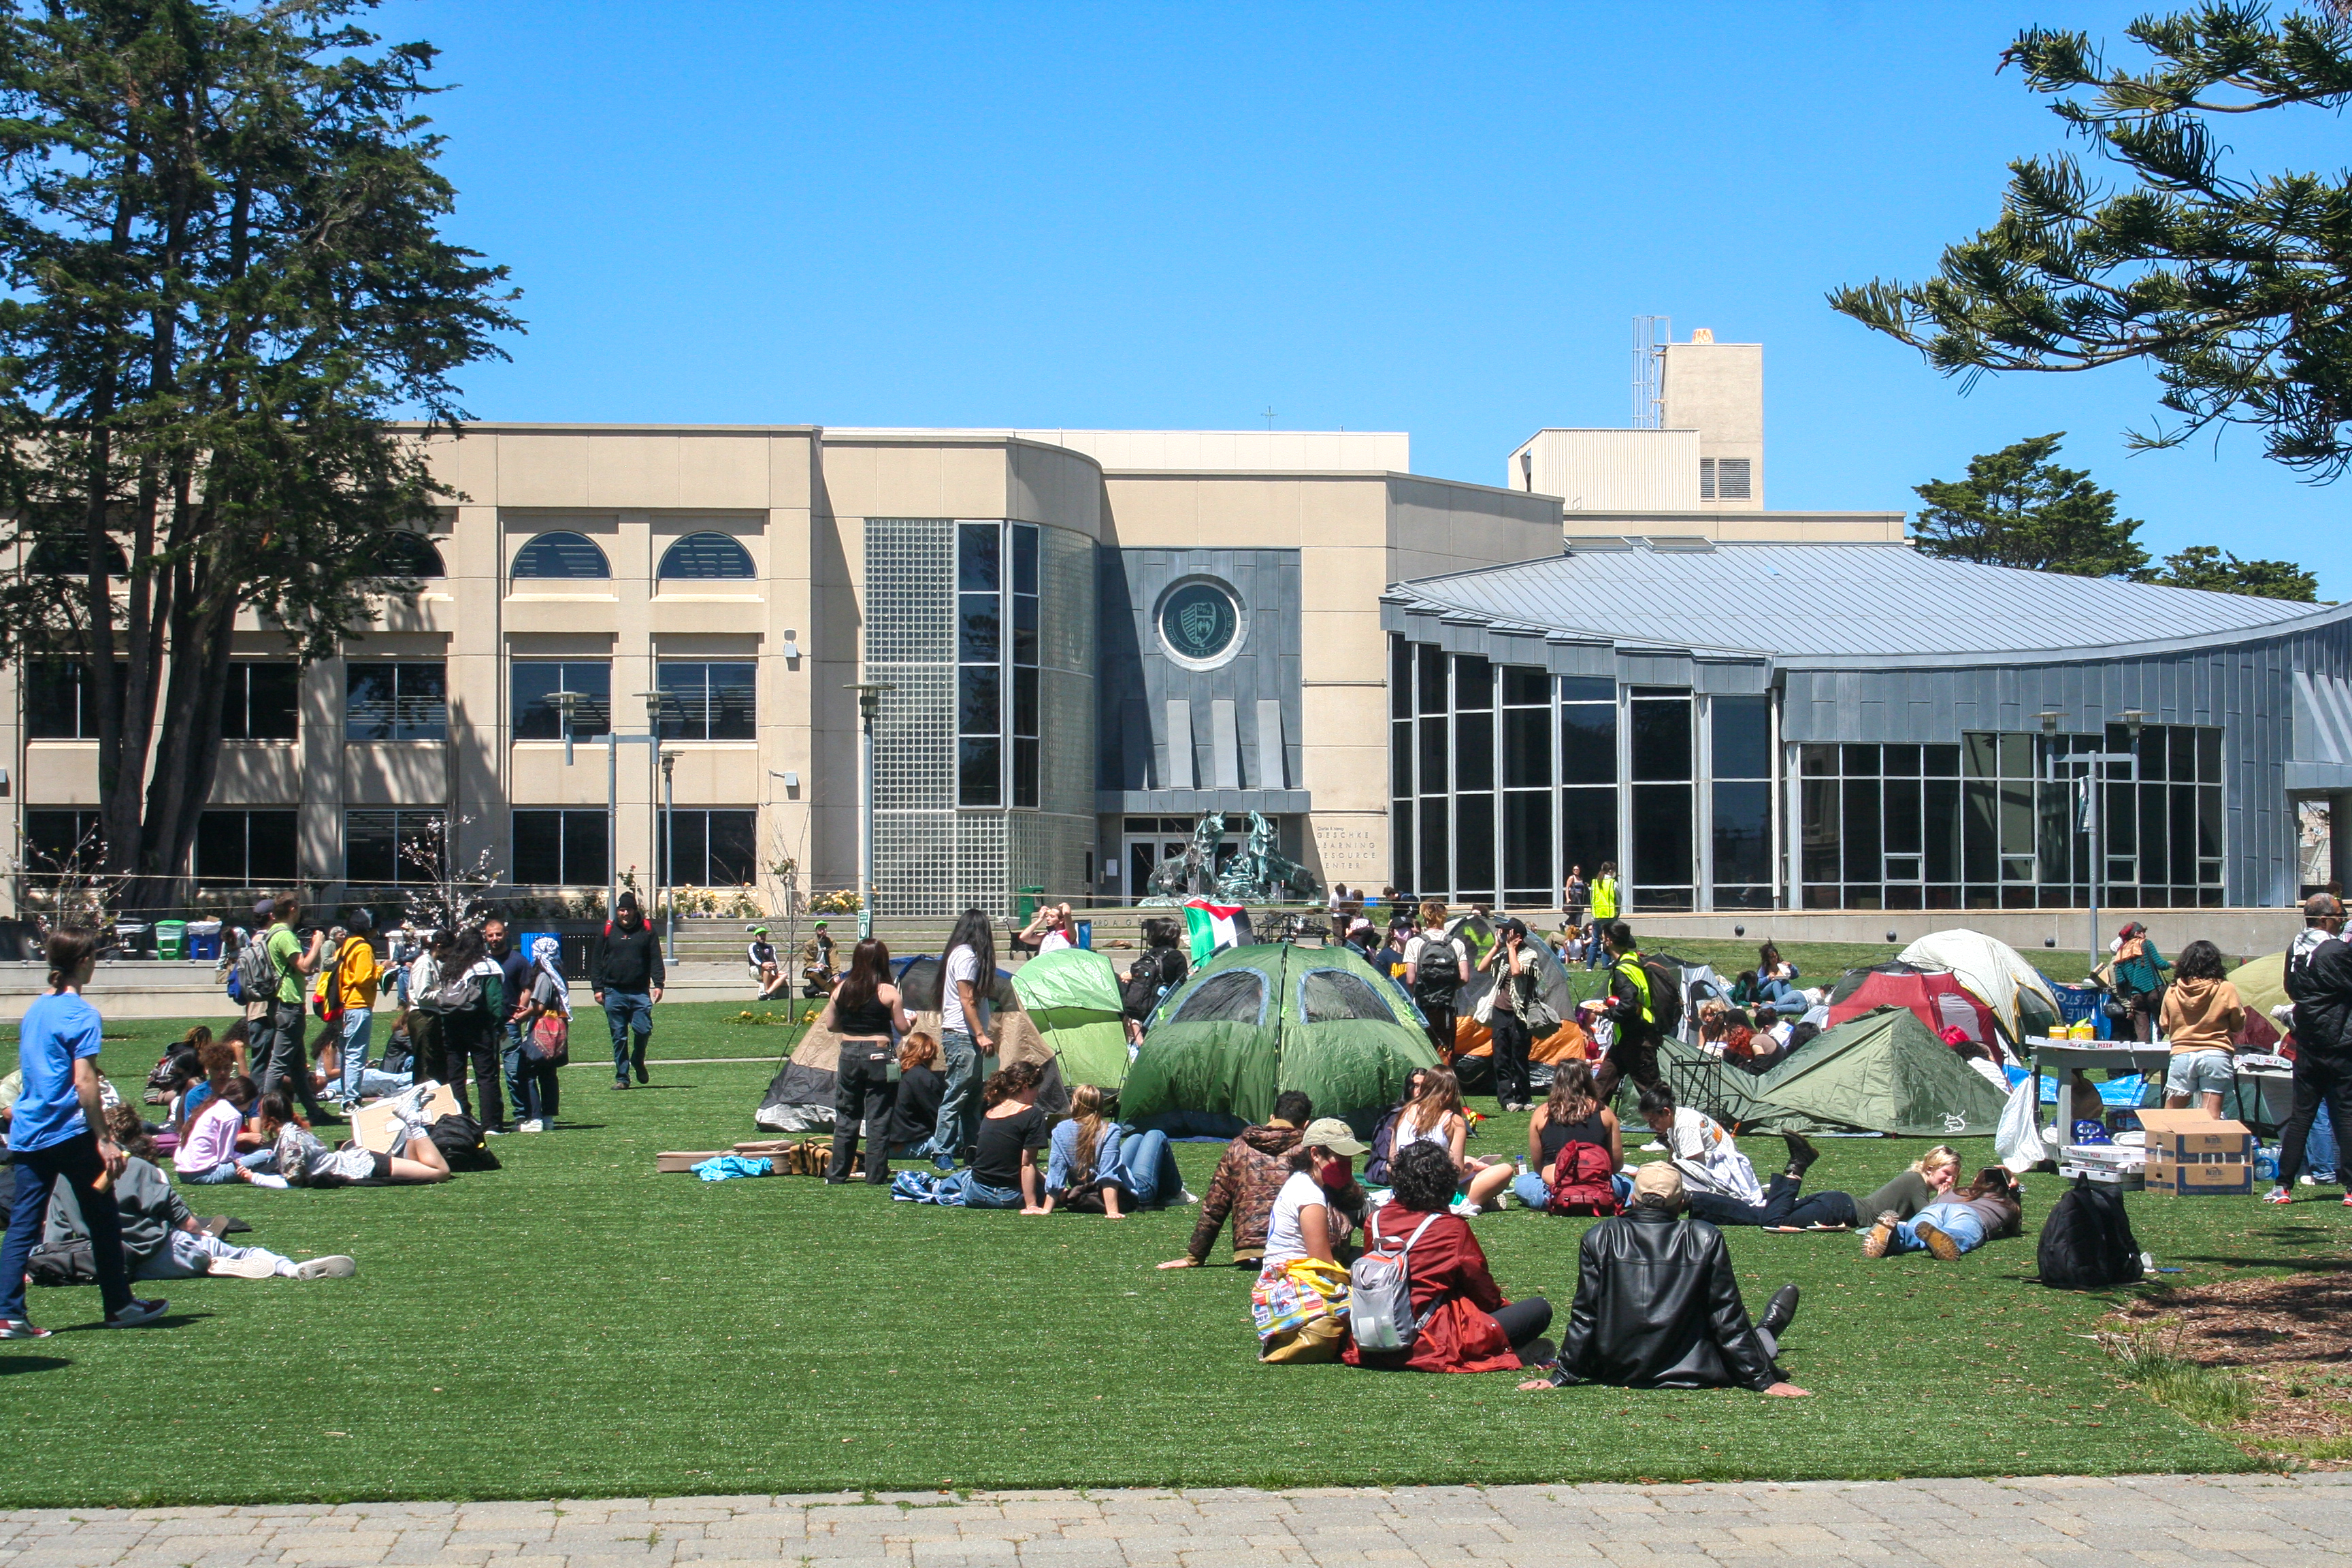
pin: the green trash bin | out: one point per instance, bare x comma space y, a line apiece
1025, 902
171, 940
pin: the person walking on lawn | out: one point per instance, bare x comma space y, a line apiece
284, 1061
627, 975
2319, 980
56, 1129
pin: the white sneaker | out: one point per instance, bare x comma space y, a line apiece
336, 1266
1654, 1147
274, 1184
1187, 1195
1465, 1209
529, 1126
252, 1266
1502, 1200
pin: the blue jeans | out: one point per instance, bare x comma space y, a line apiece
36, 1173
979, 1196
510, 1063
353, 1049
959, 1116
2319, 1152
1955, 1220
1532, 1190
1148, 1169
626, 1011
262, 1162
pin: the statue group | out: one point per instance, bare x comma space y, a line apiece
1257, 874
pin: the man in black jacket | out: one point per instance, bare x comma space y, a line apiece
1656, 1305
627, 975
2319, 981
1634, 1012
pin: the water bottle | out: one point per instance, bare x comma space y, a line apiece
2267, 1163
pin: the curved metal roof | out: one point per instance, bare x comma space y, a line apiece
1833, 602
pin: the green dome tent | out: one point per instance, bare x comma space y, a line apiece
1885, 1072
1070, 998
1255, 1021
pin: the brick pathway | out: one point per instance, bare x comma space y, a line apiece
2280, 1523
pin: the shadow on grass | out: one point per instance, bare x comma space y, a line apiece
10, 1365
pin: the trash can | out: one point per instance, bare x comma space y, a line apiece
131, 938
172, 940
1024, 904
204, 942
1086, 934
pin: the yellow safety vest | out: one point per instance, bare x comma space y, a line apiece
1630, 966
1605, 897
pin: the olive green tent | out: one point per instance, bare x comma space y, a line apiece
1729, 1092
1885, 1072
1255, 1021
1071, 996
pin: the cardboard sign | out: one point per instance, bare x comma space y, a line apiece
372, 1124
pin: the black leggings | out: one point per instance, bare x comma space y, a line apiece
1523, 1321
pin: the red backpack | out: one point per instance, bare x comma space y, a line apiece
1580, 1180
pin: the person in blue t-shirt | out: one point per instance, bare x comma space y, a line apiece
55, 1132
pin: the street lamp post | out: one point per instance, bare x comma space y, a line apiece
669, 841
2094, 777
659, 871
869, 704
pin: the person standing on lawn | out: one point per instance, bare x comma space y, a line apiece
2202, 1015
472, 996
1633, 1011
863, 1010
1513, 960
283, 1060
514, 976
2319, 980
627, 975
1604, 910
1436, 966
353, 980
56, 1129
967, 977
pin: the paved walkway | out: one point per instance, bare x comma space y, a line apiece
2279, 1523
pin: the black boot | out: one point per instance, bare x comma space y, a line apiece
1801, 1154
1779, 1311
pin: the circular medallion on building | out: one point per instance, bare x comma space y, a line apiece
1200, 623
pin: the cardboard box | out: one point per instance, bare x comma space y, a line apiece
676, 1162
372, 1124
2189, 1154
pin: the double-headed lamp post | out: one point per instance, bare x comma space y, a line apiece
2095, 779
869, 704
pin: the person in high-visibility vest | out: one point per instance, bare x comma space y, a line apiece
1630, 1008
1604, 910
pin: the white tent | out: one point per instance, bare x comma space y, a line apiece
1999, 976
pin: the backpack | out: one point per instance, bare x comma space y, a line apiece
1375, 1168
452, 994
1379, 1295
1438, 970
2087, 1242
1579, 1181
1146, 984
548, 1043
1666, 994
255, 976
459, 1139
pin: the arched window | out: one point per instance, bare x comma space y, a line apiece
67, 556
407, 554
705, 556
562, 556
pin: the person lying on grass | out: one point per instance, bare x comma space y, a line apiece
1929, 1179
1439, 1118
1721, 1184
1249, 1176
305, 1161
1004, 1170
1097, 1166
1463, 1322
1658, 1305
1993, 1206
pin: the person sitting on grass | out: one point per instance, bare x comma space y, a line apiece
1004, 1170
217, 1146
217, 1062
162, 1238
1320, 1202
1095, 1166
1249, 1176
1571, 1114
916, 1111
1438, 1117
1463, 1322
1720, 1184
1658, 1305
1376, 1165
1927, 1179
1993, 1206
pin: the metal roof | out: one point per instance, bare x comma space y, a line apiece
1805, 604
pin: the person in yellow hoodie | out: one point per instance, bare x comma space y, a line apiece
2202, 1016
351, 986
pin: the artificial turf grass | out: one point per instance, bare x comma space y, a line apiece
575, 1325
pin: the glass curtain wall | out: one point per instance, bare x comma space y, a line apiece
1473, 779
2003, 821
1529, 875
979, 664
1587, 776
1739, 766
1664, 875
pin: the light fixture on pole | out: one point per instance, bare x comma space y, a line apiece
659, 868
869, 704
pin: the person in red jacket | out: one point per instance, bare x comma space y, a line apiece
1465, 1324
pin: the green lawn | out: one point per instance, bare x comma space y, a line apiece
576, 1325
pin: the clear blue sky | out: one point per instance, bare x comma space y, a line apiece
1434, 218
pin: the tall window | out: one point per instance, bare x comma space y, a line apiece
1403, 867
1024, 603
1663, 874
710, 848
709, 701
247, 849
979, 664
1473, 778
533, 681
1433, 749
1739, 732
562, 554
57, 841
393, 847
403, 700
1527, 871
264, 702
705, 556
59, 703
1588, 773
559, 848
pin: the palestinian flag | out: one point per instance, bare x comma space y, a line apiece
1214, 927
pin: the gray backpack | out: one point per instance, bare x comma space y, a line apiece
1379, 1296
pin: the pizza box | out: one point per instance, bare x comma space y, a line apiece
372, 1124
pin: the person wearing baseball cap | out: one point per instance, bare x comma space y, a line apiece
1658, 1305
1320, 1202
